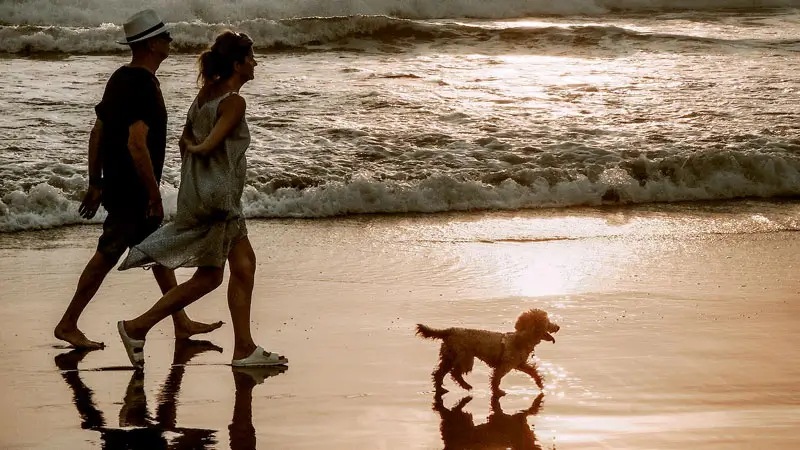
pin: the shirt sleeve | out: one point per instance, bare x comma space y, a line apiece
127, 99
103, 109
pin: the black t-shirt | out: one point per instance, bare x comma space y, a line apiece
132, 94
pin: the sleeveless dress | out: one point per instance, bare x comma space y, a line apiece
209, 219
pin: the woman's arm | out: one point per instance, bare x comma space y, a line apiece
230, 111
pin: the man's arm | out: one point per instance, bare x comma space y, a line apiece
95, 157
137, 145
91, 200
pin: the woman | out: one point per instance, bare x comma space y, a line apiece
209, 227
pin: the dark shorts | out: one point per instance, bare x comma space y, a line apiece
124, 229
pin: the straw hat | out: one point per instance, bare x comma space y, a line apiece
143, 25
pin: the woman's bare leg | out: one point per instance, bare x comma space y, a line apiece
184, 326
204, 280
242, 261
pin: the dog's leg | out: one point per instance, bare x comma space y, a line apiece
462, 403
537, 404
445, 365
498, 375
462, 364
494, 404
438, 403
533, 372
438, 378
459, 377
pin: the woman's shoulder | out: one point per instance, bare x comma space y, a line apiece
232, 106
213, 94
233, 100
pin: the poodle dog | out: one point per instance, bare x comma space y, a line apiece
500, 351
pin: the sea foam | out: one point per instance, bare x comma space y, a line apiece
94, 13
358, 32
720, 176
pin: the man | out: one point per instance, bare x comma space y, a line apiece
126, 157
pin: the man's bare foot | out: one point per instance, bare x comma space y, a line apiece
190, 328
76, 338
70, 359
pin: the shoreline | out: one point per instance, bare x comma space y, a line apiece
668, 341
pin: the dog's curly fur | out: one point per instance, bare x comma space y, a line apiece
500, 351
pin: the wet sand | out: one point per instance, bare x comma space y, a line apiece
670, 339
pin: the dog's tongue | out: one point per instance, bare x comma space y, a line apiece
549, 337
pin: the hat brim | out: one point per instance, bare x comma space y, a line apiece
162, 29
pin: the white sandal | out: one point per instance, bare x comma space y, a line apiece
133, 347
260, 358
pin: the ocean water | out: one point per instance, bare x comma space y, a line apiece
423, 107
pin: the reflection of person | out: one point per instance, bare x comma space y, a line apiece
241, 430
126, 157
209, 227
141, 431
500, 430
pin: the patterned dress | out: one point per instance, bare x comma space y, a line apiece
209, 218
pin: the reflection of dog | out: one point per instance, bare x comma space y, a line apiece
501, 351
500, 430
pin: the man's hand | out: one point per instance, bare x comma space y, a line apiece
90, 202
155, 210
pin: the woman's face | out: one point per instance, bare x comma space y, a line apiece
247, 67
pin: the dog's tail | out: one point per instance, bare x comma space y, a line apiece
431, 333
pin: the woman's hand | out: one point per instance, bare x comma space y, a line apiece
186, 138
197, 149
185, 144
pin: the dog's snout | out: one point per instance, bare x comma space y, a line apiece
554, 328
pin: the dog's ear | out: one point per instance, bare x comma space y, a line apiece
531, 319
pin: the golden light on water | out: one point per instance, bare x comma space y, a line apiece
551, 269
543, 257
547, 86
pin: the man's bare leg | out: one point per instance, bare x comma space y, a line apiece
89, 282
184, 326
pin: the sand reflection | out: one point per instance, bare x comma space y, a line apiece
138, 429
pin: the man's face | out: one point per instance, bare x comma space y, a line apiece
160, 44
